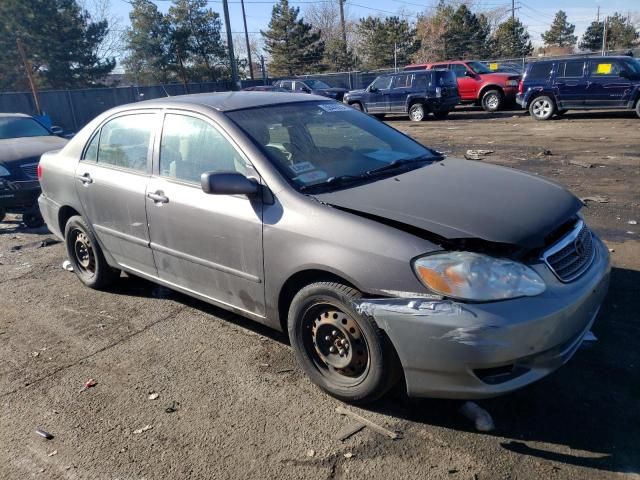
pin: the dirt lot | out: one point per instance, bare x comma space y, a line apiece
244, 410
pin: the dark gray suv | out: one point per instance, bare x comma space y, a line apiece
379, 257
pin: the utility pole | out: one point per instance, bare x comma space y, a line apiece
395, 57
598, 19
264, 71
246, 38
342, 26
513, 10
604, 37
27, 67
232, 57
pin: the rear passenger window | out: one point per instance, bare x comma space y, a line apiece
421, 81
539, 71
570, 69
402, 81
605, 68
190, 147
124, 142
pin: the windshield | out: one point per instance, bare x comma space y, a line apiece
316, 84
313, 143
479, 67
17, 127
633, 65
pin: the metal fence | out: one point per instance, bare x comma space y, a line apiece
72, 109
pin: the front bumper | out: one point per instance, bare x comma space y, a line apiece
18, 194
451, 349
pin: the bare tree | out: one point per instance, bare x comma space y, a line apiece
113, 43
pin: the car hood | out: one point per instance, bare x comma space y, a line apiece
15, 150
458, 199
357, 92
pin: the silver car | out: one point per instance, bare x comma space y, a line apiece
379, 257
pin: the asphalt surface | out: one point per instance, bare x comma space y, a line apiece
231, 403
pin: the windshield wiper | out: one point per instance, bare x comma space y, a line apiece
401, 163
339, 180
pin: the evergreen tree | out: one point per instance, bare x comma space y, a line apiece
149, 58
620, 33
433, 34
61, 42
195, 38
338, 56
293, 46
592, 38
379, 37
511, 39
467, 34
560, 34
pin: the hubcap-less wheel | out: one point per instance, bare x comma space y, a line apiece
336, 344
84, 254
541, 108
416, 113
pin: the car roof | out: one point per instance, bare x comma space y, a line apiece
14, 115
564, 59
228, 101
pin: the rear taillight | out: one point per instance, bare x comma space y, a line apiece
520, 87
39, 171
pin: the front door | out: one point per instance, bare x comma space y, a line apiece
467, 86
400, 89
570, 83
210, 245
606, 87
111, 181
377, 96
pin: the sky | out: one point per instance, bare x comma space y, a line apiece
537, 15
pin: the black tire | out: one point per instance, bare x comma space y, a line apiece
417, 112
357, 106
542, 107
441, 115
638, 107
379, 116
86, 256
33, 220
492, 100
321, 316
3, 213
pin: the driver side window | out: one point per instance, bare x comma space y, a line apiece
382, 83
458, 69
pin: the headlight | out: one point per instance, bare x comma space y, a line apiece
474, 276
4, 172
512, 83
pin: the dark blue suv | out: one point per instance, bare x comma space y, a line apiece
554, 86
414, 93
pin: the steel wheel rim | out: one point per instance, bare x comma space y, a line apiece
541, 108
336, 345
416, 114
84, 255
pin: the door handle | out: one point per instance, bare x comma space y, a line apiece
85, 178
158, 197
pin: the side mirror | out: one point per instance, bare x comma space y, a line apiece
625, 74
228, 183
56, 130
306, 89
373, 89
469, 73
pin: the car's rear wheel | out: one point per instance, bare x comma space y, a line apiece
357, 106
542, 108
342, 351
441, 115
86, 256
417, 112
33, 220
492, 100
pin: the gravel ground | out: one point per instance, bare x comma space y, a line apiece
241, 408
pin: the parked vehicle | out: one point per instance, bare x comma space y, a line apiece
415, 94
308, 85
477, 83
551, 87
379, 257
22, 141
265, 88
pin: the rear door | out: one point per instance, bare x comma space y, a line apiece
377, 96
606, 88
112, 179
400, 88
207, 244
570, 83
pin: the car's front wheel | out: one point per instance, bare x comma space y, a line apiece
86, 256
341, 350
357, 106
542, 108
417, 113
492, 100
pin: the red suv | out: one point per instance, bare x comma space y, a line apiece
477, 83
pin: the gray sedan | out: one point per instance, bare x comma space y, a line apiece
379, 257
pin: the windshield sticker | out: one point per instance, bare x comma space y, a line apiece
301, 167
334, 107
314, 176
386, 155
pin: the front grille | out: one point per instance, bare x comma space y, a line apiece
30, 170
572, 255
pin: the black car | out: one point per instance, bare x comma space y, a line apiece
22, 140
554, 86
416, 93
317, 87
